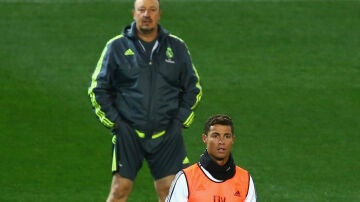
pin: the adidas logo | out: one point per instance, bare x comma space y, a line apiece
237, 193
129, 52
186, 160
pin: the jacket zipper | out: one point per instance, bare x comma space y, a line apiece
152, 51
152, 86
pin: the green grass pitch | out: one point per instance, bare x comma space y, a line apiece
286, 71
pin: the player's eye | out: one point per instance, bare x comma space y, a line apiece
141, 10
215, 135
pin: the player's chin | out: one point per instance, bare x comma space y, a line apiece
150, 27
147, 29
219, 158
221, 155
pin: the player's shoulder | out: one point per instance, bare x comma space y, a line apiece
179, 174
177, 41
115, 38
176, 38
241, 169
179, 178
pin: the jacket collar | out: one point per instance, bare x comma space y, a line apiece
130, 31
224, 172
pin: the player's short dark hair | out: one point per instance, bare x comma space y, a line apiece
221, 119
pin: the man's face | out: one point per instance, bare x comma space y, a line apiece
146, 14
219, 141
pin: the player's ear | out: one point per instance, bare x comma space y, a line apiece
204, 137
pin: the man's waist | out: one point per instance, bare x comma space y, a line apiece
152, 134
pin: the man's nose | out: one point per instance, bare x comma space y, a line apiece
146, 13
221, 140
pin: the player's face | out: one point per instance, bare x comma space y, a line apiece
146, 14
219, 141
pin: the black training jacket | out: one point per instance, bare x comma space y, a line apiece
146, 92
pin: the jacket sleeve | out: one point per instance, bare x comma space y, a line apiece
101, 91
191, 91
178, 191
251, 196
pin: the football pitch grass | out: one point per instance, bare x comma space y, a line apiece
286, 71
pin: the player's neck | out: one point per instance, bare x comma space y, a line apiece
148, 37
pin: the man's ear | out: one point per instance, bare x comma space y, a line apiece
204, 138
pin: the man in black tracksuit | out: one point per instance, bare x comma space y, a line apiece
145, 88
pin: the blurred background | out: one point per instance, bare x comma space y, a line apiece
287, 72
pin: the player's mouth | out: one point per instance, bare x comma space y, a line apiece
221, 150
147, 21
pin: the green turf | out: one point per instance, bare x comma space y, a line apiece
286, 71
